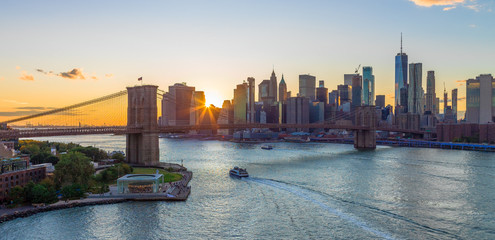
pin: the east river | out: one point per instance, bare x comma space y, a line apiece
296, 191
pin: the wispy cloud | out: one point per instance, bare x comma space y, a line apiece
109, 75
14, 101
17, 67
26, 77
429, 3
449, 4
75, 73
2, 78
50, 73
32, 108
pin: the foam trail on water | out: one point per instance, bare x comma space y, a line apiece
334, 211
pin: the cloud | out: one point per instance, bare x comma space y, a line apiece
2, 78
18, 113
109, 75
50, 73
31, 108
17, 67
474, 7
26, 77
14, 101
449, 4
429, 3
75, 73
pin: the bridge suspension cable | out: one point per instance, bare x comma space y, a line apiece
69, 110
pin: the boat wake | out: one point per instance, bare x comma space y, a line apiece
305, 194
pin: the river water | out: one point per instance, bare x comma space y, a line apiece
296, 191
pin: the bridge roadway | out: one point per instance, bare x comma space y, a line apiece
65, 131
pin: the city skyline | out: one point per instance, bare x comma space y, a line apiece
80, 60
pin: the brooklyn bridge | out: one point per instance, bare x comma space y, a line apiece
136, 111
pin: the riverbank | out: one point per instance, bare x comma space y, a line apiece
175, 191
11, 214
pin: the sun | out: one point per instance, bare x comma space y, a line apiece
214, 98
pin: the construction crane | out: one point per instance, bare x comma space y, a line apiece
357, 70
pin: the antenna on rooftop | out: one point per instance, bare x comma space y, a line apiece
401, 43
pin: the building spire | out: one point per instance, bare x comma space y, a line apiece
401, 43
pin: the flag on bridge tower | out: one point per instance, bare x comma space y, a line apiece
140, 79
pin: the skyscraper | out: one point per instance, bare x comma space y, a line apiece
176, 105
348, 79
415, 88
333, 98
345, 93
264, 91
273, 86
445, 99
454, 103
307, 86
357, 87
197, 107
430, 92
368, 86
240, 103
298, 110
380, 101
282, 90
400, 73
322, 93
480, 99
487, 92
250, 103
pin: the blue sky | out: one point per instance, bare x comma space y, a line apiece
214, 45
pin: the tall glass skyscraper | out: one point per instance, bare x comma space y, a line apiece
368, 86
415, 93
400, 73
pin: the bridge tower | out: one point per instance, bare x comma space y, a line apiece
365, 139
142, 148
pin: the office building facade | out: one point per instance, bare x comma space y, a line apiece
415, 93
307, 86
430, 92
368, 86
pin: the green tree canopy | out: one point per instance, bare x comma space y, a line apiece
73, 167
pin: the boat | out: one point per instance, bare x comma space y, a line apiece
238, 172
267, 147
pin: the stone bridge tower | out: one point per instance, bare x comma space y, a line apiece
142, 148
365, 117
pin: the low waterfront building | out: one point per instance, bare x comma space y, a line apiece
17, 172
139, 183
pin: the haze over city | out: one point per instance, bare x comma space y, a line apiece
77, 51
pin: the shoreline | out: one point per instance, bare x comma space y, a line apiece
27, 211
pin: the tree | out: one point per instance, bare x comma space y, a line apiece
72, 168
17, 195
28, 191
93, 153
41, 194
73, 191
30, 149
118, 156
